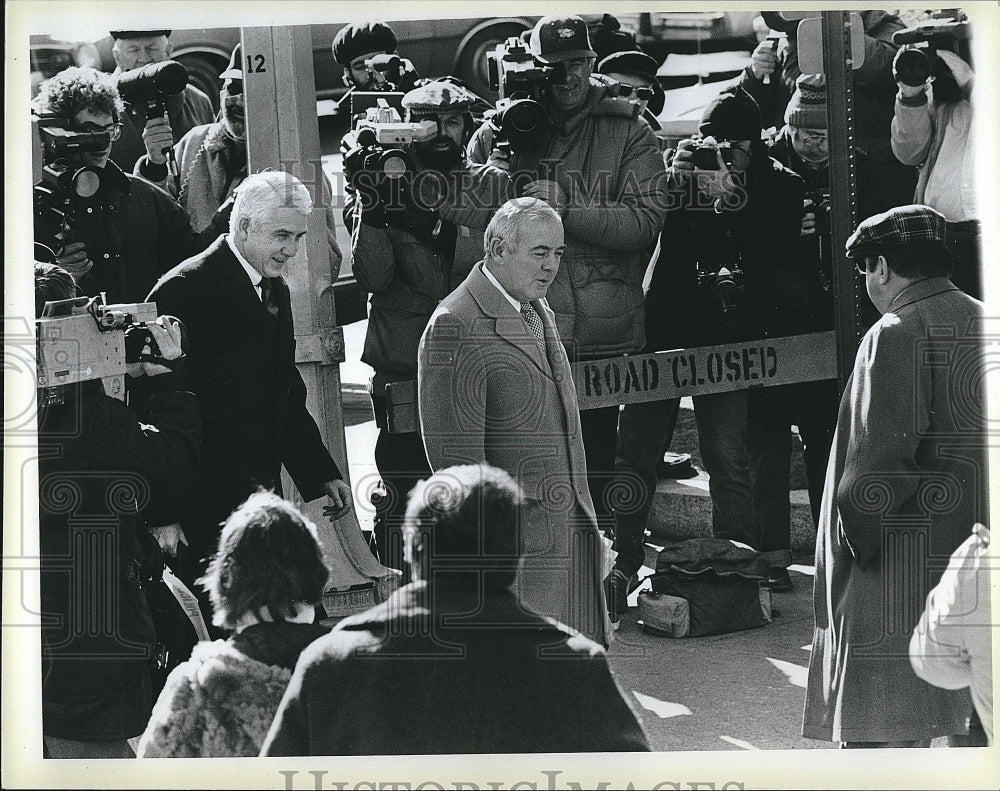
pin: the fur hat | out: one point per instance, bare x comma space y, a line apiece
807, 107
352, 41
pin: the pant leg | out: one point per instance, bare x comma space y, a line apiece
816, 417
600, 436
963, 243
401, 463
722, 439
643, 429
769, 456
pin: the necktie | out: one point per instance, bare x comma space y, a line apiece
267, 296
534, 322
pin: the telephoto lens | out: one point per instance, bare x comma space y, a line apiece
911, 67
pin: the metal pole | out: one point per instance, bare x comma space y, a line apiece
837, 65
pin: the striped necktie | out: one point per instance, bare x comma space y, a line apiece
534, 322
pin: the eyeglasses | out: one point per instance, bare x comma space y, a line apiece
642, 93
114, 131
862, 266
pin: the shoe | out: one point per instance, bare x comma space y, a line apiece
616, 590
778, 580
675, 465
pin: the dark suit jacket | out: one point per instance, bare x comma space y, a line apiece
488, 393
241, 365
443, 669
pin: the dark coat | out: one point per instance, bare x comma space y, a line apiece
757, 233
437, 670
906, 481
100, 472
241, 364
136, 234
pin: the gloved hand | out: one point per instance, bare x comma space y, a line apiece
406, 213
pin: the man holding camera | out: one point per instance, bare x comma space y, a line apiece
736, 211
935, 134
409, 257
598, 165
119, 233
354, 46
154, 135
104, 476
237, 310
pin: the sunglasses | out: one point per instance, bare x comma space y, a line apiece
642, 93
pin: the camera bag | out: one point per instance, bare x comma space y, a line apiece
706, 586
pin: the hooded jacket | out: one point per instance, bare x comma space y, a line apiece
607, 161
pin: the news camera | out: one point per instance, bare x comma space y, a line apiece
67, 192
376, 146
520, 121
919, 61
721, 290
149, 87
84, 338
391, 73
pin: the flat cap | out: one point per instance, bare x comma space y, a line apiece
439, 97
140, 33
903, 226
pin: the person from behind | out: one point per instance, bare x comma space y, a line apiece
264, 583
451, 663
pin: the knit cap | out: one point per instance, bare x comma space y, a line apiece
807, 107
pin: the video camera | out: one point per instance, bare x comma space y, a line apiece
67, 192
83, 338
721, 290
376, 145
520, 120
914, 65
391, 73
151, 85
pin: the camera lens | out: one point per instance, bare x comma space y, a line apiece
86, 183
912, 67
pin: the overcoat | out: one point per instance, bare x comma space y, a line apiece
489, 393
241, 365
906, 481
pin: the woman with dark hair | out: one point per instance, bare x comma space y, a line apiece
264, 582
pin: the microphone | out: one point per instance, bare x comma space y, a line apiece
153, 82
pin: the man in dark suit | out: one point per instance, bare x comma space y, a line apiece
451, 663
495, 386
241, 362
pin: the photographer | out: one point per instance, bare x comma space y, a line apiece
122, 237
353, 47
97, 630
410, 257
771, 80
140, 135
598, 165
735, 213
935, 134
212, 161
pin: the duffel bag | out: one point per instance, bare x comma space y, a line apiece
706, 586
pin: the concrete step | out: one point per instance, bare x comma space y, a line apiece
682, 509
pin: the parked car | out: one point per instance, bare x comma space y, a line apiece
48, 57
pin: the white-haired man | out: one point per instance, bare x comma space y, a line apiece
241, 360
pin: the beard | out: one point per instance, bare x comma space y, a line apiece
235, 124
442, 153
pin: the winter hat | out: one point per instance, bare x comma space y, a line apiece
807, 107
639, 64
734, 115
353, 41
